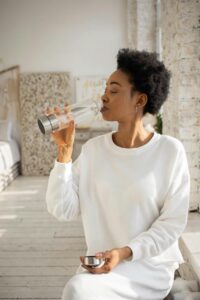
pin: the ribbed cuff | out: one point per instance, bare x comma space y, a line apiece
136, 250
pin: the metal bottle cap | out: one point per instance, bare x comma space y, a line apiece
92, 261
48, 123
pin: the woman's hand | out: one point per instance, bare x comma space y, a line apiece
112, 259
64, 138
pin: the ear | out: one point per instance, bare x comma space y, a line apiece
141, 100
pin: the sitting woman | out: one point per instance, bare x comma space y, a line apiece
130, 186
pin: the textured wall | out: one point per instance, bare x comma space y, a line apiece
181, 113
37, 91
142, 24
132, 23
141, 15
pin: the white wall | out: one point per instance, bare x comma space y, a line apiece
80, 36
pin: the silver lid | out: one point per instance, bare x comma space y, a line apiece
47, 124
92, 261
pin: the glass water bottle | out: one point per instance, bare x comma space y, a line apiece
83, 112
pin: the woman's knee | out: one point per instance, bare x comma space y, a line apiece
77, 288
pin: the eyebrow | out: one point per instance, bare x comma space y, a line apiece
114, 82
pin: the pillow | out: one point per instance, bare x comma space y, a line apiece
5, 130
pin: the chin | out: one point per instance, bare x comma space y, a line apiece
108, 118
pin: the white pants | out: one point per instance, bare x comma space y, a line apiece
143, 281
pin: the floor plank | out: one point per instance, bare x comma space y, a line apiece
28, 281
38, 262
30, 292
38, 254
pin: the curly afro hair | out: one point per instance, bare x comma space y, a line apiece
147, 74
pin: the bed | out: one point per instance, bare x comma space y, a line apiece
10, 130
9, 157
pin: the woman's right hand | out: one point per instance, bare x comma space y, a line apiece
64, 138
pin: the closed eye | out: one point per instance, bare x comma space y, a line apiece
112, 92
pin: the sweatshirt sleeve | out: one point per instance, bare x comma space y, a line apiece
62, 197
170, 224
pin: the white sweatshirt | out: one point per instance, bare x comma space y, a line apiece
136, 197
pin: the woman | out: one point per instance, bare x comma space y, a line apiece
131, 188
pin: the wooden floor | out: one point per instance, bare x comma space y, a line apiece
38, 254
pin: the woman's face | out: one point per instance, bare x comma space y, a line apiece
118, 102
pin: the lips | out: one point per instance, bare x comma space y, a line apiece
103, 109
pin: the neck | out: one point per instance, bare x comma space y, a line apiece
131, 135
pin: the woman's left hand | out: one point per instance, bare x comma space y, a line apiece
112, 258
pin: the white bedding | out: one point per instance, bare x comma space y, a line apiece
9, 154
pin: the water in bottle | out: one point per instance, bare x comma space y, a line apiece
83, 112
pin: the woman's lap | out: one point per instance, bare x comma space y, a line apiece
142, 282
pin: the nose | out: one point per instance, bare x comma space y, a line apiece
104, 97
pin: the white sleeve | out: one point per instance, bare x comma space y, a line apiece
62, 197
168, 227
